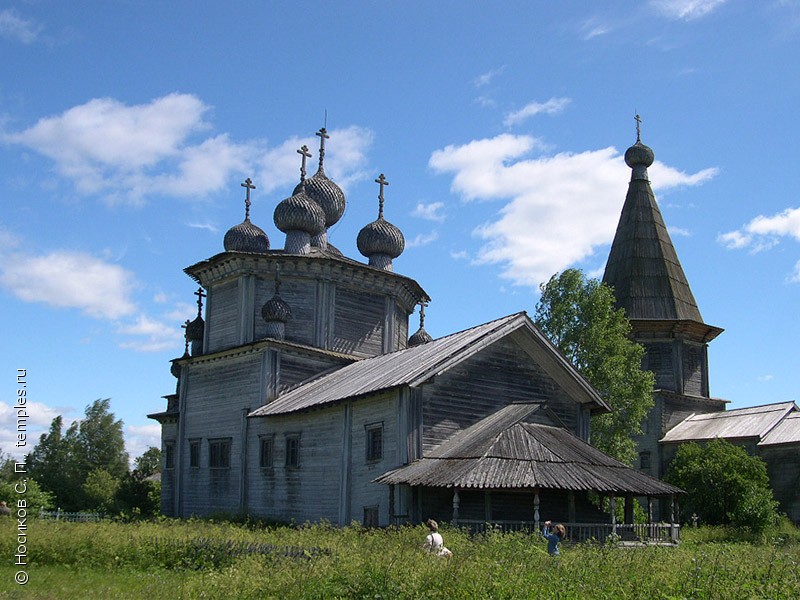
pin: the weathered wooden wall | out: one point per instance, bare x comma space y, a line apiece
783, 467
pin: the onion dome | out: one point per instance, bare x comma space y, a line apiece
638, 157
195, 329
276, 312
421, 336
328, 195
299, 213
380, 241
246, 237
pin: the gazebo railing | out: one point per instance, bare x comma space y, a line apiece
584, 532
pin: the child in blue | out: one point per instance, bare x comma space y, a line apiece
553, 535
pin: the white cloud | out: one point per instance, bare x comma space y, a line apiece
795, 276
593, 28
486, 78
422, 239
763, 233
139, 438
429, 212
70, 280
559, 208
14, 27
679, 231
459, 255
206, 226
551, 107
686, 10
150, 335
36, 423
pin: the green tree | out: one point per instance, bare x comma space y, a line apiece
148, 463
578, 315
724, 484
33, 495
100, 491
62, 461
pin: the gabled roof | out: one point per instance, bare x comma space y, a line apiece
643, 267
503, 451
754, 422
417, 365
785, 432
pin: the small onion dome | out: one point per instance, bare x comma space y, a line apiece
195, 329
327, 194
175, 369
420, 337
299, 213
639, 154
380, 237
246, 237
276, 309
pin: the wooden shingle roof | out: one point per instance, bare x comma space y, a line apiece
643, 267
416, 365
503, 451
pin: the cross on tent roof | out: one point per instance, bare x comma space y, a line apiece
382, 181
249, 185
185, 328
303, 151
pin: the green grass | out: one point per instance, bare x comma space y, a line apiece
192, 559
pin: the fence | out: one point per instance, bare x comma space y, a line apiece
73, 517
584, 532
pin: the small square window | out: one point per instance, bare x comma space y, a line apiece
169, 455
219, 454
265, 456
374, 442
371, 516
194, 454
293, 451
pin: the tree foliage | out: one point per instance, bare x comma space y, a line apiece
577, 314
62, 462
725, 485
149, 463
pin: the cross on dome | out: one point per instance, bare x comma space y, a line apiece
638, 120
303, 151
200, 295
248, 183
323, 135
383, 182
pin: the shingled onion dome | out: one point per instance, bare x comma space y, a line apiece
421, 336
246, 237
324, 192
380, 241
638, 157
299, 217
195, 329
276, 312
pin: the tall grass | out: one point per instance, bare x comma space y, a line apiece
201, 559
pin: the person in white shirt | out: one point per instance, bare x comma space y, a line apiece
434, 543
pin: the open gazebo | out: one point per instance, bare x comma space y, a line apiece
517, 466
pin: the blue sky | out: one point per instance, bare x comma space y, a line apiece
127, 127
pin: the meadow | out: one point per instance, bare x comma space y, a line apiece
208, 559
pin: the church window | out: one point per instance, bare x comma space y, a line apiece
194, 454
374, 442
293, 450
265, 457
371, 514
219, 453
644, 460
169, 455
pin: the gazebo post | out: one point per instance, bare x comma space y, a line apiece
456, 504
672, 517
571, 506
650, 516
628, 509
536, 509
612, 507
391, 504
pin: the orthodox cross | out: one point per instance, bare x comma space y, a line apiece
249, 185
383, 183
638, 120
305, 154
200, 295
323, 135
422, 314
185, 328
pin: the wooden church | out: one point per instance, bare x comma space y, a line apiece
302, 396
